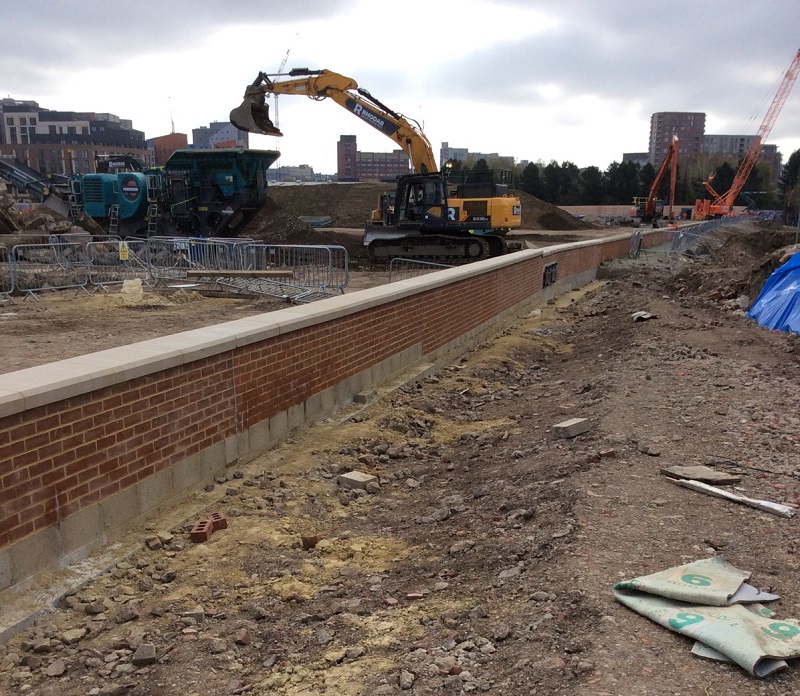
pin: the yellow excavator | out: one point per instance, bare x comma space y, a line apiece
420, 218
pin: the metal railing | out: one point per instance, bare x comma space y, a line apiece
6, 276
113, 262
36, 268
296, 273
172, 257
402, 269
310, 272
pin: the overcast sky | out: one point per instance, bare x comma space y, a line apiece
569, 80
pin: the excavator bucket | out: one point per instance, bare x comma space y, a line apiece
252, 115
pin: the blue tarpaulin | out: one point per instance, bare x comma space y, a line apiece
778, 304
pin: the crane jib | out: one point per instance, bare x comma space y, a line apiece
375, 120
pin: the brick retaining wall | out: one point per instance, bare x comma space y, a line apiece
90, 445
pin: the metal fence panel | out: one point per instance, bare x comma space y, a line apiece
6, 277
323, 268
171, 257
39, 267
402, 269
690, 236
114, 261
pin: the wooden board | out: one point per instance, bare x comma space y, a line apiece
196, 273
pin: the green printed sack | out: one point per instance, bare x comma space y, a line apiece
703, 600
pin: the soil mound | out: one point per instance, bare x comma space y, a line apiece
734, 260
350, 205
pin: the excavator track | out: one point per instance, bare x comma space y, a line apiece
437, 248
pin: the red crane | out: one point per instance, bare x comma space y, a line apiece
722, 204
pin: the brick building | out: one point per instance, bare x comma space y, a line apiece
352, 165
219, 134
164, 145
690, 127
65, 142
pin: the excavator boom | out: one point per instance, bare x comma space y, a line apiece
252, 115
649, 209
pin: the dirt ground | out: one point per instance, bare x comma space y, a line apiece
59, 325
482, 560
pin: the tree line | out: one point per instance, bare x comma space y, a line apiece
566, 184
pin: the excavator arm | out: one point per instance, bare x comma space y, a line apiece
670, 162
252, 115
646, 207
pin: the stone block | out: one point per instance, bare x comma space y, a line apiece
34, 554
365, 397
572, 427
355, 479
83, 530
120, 509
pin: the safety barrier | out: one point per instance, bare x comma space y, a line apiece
171, 257
36, 268
6, 277
400, 269
114, 261
296, 273
686, 238
312, 271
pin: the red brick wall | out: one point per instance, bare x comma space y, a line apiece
58, 459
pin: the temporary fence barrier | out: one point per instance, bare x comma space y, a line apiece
297, 273
311, 271
39, 267
114, 261
6, 276
401, 269
689, 237
172, 257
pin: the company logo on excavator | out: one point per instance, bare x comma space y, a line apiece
374, 119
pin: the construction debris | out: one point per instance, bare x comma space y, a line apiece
705, 474
764, 505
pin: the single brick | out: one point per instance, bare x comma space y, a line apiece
572, 427
201, 530
218, 520
355, 479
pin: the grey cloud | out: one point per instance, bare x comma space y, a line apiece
721, 58
48, 38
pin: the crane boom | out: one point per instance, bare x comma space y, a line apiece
722, 204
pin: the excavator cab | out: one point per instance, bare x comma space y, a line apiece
252, 115
423, 200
